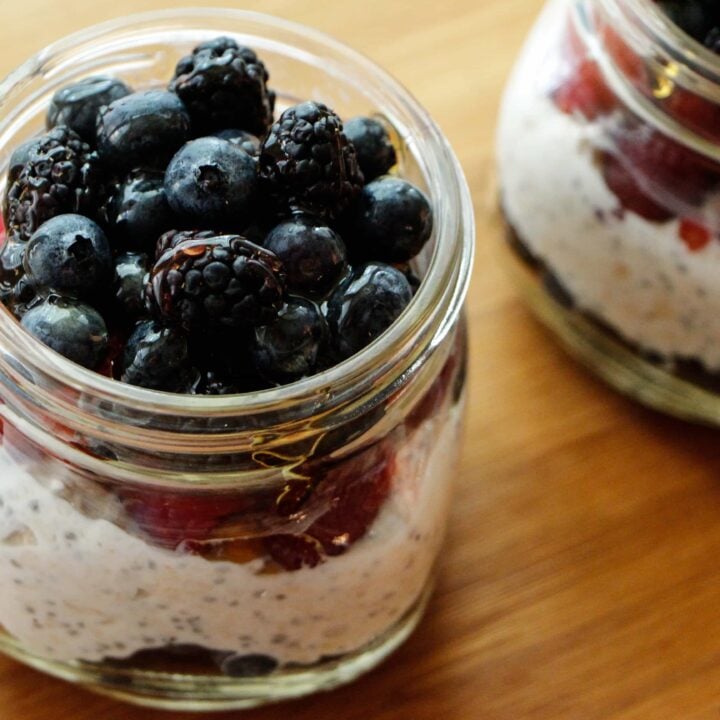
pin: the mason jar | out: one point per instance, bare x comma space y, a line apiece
609, 150
205, 552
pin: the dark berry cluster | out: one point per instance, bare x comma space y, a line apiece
180, 240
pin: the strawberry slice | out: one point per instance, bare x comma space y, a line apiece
347, 498
171, 518
585, 92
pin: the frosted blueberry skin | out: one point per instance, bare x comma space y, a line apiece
211, 181
242, 138
157, 357
375, 152
138, 211
130, 271
142, 129
313, 254
77, 105
70, 254
365, 305
392, 221
289, 348
69, 327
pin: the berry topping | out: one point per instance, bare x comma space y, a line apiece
77, 105
60, 175
585, 92
224, 85
365, 305
375, 152
69, 254
307, 162
224, 281
694, 235
16, 290
141, 129
69, 327
130, 271
172, 238
288, 348
157, 357
138, 211
313, 254
213, 181
348, 495
392, 221
20, 157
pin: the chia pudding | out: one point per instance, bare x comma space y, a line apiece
616, 213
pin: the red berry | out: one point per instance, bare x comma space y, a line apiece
694, 235
346, 500
586, 92
171, 518
624, 186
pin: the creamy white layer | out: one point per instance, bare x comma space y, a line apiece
75, 587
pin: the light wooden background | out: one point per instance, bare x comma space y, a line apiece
580, 578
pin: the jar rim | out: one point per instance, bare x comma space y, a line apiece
444, 285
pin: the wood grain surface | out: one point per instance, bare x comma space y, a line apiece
580, 576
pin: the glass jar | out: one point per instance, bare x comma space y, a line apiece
609, 149
221, 552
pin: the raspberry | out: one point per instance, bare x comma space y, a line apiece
349, 496
307, 161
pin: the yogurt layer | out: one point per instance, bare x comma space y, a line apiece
78, 588
637, 276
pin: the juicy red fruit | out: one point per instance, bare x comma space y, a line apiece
585, 92
173, 518
694, 235
346, 500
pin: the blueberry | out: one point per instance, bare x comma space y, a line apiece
365, 305
392, 221
141, 129
157, 357
242, 138
130, 271
313, 254
249, 665
288, 348
138, 212
69, 327
375, 153
77, 105
70, 254
211, 181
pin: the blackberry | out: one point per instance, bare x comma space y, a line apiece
157, 358
220, 282
375, 152
77, 105
224, 85
69, 327
307, 162
61, 175
172, 238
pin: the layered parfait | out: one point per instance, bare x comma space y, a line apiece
610, 180
192, 239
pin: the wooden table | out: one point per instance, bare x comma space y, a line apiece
580, 577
